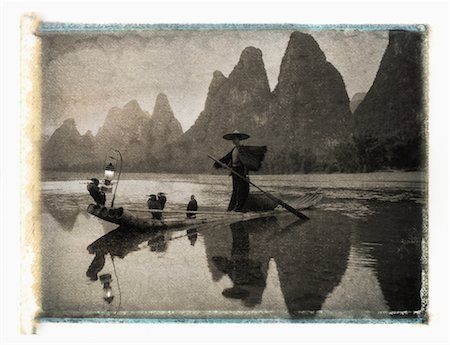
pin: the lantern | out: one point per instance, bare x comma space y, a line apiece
106, 279
115, 162
109, 173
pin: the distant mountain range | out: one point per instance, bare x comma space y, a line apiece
133, 131
306, 121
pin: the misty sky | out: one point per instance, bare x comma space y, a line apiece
84, 75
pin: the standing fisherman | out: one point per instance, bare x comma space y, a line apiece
241, 159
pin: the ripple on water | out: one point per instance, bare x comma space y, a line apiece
355, 209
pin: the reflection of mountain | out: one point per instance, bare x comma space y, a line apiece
310, 260
66, 215
398, 259
366, 299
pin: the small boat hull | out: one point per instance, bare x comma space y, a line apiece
259, 202
120, 216
123, 217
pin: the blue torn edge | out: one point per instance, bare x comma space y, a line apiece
230, 321
49, 27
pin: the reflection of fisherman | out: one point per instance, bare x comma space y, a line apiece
247, 275
192, 206
94, 190
241, 159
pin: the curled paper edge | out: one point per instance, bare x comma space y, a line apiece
30, 171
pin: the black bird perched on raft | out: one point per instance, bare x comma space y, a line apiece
154, 204
162, 199
192, 206
95, 192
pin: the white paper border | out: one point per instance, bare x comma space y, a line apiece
332, 12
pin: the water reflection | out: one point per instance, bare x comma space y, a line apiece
158, 243
360, 277
65, 213
398, 258
334, 262
384, 266
192, 235
310, 264
310, 261
347, 268
119, 243
247, 275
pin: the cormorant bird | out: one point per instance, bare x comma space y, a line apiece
162, 199
154, 204
192, 206
95, 192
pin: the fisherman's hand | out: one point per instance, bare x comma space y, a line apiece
217, 165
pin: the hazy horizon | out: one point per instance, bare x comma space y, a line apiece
85, 75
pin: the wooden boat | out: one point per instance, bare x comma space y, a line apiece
258, 205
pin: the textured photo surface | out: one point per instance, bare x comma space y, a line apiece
332, 129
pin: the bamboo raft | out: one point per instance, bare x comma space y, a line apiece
258, 206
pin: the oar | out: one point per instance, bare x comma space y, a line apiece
274, 198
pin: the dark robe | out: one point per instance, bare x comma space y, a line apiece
250, 159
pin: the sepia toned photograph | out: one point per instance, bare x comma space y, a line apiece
230, 173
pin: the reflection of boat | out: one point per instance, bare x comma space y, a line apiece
119, 243
145, 222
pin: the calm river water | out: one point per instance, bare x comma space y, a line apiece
358, 257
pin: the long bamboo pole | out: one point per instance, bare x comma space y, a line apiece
274, 198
